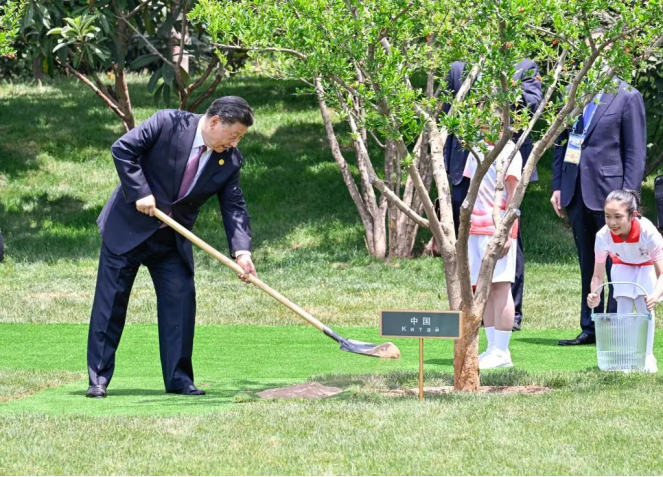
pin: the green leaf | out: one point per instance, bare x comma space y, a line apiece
74, 23
166, 94
142, 61
185, 76
54, 31
150, 28
157, 94
29, 14
87, 23
168, 73
153, 80
60, 45
166, 26
89, 56
101, 53
105, 25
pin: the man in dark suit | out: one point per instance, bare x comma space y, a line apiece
174, 161
611, 156
527, 76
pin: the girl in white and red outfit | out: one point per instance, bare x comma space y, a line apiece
499, 311
636, 250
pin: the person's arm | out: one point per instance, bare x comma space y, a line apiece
658, 289
531, 86
634, 141
236, 222
511, 184
558, 161
597, 279
450, 81
127, 154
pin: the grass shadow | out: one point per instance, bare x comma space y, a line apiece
41, 228
440, 362
540, 341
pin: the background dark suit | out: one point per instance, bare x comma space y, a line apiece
151, 159
456, 158
612, 157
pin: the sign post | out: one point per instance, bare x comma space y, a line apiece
421, 324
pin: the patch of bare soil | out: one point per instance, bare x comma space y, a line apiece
435, 391
300, 391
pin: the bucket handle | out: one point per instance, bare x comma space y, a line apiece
620, 283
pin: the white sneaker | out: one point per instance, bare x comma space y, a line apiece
651, 365
496, 359
485, 353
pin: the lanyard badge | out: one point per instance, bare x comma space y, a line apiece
574, 148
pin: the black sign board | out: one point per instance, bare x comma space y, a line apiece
421, 324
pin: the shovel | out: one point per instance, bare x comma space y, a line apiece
386, 350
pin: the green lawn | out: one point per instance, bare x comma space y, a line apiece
592, 423
55, 175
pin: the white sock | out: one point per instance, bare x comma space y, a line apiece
502, 339
490, 335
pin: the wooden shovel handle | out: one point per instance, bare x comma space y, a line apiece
237, 269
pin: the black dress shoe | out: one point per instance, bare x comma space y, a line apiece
190, 390
96, 391
581, 339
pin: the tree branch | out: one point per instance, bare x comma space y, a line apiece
201, 80
654, 164
136, 10
436, 226
394, 199
654, 46
207, 92
103, 87
296, 53
381, 145
152, 47
542, 106
363, 160
467, 84
552, 34
385, 31
183, 34
109, 102
338, 157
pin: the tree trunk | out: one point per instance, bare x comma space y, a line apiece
122, 90
38, 67
390, 158
176, 51
404, 235
372, 218
466, 351
178, 39
379, 248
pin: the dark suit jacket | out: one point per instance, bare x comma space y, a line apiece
151, 159
613, 153
454, 154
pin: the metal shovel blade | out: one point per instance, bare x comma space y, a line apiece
386, 350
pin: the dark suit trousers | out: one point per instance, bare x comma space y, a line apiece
176, 308
458, 194
585, 224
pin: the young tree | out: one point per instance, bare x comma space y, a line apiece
10, 20
93, 39
382, 66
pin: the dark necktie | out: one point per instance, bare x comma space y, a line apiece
190, 173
